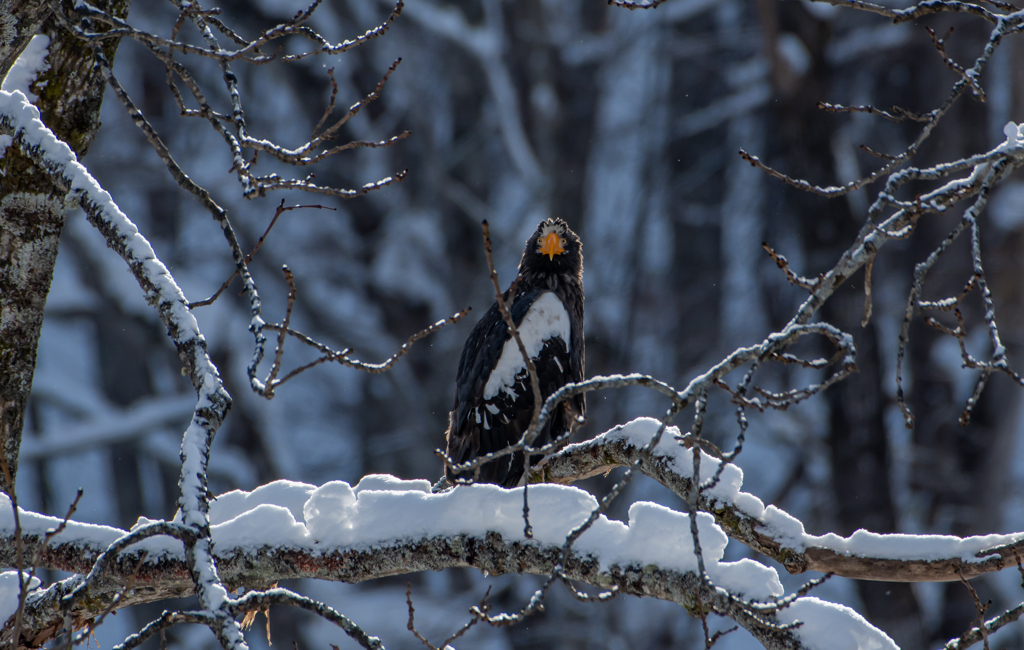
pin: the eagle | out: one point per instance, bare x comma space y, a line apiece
493, 395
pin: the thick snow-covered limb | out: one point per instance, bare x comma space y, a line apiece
772, 532
18, 118
491, 553
384, 527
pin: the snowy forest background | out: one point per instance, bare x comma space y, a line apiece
627, 124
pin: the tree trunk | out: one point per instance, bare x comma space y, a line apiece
32, 210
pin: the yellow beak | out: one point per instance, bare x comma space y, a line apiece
552, 246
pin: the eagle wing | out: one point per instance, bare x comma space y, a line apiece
494, 400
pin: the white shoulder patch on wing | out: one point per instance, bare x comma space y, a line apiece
545, 320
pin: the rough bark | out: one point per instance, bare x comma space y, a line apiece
32, 209
20, 20
169, 577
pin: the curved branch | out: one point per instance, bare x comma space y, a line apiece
52, 157
744, 518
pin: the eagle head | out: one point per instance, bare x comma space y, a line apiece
553, 248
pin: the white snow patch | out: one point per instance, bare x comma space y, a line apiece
910, 547
380, 482
286, 494
832, 626
30, 63
784, 527
339, 516
1014, 137
10, 591
265, 525
545, 320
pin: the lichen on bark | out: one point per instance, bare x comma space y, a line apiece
32, 209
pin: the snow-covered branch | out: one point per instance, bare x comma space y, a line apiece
385, 526
337, 532
20, 120
775, 533
84, 23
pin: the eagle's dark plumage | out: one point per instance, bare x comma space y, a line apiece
493, 397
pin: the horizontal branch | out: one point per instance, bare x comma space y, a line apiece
168, 576
343, 542
744, 518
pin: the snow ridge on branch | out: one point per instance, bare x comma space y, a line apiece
386, 526
19, 119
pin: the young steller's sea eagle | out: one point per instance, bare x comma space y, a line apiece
493, 396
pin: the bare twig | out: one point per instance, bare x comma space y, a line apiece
783, 264
531, 368
271, 381
281, 209
940, 45
330, 103
867, 291
506, 315
263, 600
629, 4
980, 608
877, 154
341, 356
411, 626
895, 113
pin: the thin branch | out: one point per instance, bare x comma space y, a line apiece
980, 608
783, 263
631, 5
969, 79
506, 315
281, 209
263, 600
894, 114
341, 356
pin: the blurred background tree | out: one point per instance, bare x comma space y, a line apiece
626, 124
